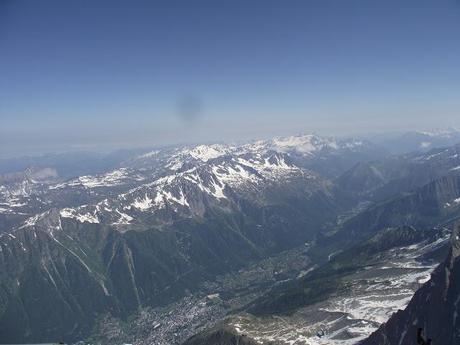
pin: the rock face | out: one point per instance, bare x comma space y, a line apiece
435, 307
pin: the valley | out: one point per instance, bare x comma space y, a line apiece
296, 240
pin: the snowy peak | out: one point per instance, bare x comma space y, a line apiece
307, 145
165, 179
189, 191
207, 152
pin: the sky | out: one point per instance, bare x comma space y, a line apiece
84, 75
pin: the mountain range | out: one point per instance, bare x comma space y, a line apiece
227, 237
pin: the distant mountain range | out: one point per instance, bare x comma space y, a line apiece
419, 140
223, 236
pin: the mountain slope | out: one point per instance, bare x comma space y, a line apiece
428, 206
158, 226
434, 307
380, 179
148, 236
327, 279
344, 300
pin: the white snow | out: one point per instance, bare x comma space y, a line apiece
87, 217
273, 167
309, 144
33, 220
113, 178
303, 144
306, 145
110, 179
143, 204
179, 200
218, 190
67, 213
81, 217
175, 164
124, 218
207, 152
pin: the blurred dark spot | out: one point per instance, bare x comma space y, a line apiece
189, 109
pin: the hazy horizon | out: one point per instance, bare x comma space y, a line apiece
102, 76
376, 137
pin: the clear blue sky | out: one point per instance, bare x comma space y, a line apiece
103, 74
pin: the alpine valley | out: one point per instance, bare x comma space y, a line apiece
291, 240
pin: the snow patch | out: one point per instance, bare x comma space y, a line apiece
143, 204
124, 218
207, 152
81, 217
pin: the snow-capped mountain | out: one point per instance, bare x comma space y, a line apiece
162, 225
190, 190
157, 179
306, 144
200, 210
